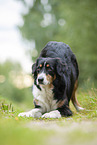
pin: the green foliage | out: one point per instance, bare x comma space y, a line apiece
6, 107
7, 88
73, 22
9, 66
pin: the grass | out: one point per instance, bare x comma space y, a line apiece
81, 128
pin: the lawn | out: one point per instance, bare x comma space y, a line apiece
79, 129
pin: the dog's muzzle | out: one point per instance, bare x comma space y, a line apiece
42, 79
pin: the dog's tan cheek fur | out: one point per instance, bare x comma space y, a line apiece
49, 78
54, 76
36, 101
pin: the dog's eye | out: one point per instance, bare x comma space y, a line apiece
47, 65
40, 65
39, 68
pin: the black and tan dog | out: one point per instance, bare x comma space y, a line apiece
55, 82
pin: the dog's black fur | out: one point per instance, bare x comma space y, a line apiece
63, 65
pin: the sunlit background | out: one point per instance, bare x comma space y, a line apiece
25, 28
12, 46
15, 62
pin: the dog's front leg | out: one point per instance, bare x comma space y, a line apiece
36, 113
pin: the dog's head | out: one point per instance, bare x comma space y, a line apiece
46, 70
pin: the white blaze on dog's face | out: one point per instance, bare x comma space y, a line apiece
45, 73
42, 79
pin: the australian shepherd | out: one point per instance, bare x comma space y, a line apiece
55, 74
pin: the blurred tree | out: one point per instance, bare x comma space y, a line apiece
7, 88
73, 22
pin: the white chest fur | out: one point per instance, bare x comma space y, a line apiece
45, 98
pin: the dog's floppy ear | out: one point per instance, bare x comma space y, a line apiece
33, 68
60, 67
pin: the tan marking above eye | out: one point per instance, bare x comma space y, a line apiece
47, 65
40, 65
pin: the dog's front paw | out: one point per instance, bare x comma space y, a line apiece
52, 114
27, 114
36, 113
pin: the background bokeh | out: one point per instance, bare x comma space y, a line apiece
73, 22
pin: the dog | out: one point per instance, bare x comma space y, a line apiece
55, 75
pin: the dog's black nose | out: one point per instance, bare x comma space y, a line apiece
40, 80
